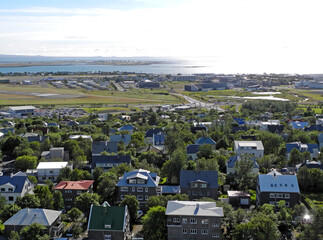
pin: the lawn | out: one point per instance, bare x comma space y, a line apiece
314, 199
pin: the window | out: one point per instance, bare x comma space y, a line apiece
287, 196
141, 181
79, 192
140, 189
184, 231
193, 221
193, 231
203, 185
3, 189
132, 181
124, 189
287, 204
215, 225
280, 195
201, 193
215, 235
140, 197
176, 220
272, 202
10, 189
133, 189
146, 197
107, 237
51, 171
208, 193
184, 220
10, 198
122, 197
194, 185
204, 231
272, 195
205, 221
194, 193
146, 189
189, 193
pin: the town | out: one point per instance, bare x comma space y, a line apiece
201, 167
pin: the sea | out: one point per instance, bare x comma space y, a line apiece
189, 65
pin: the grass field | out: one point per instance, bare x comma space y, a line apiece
83, 96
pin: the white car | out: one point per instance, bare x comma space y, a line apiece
139, 213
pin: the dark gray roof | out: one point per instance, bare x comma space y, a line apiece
96, 159
188, 176
278, 183
99, 147
124, 138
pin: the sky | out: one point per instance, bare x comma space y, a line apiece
256, 35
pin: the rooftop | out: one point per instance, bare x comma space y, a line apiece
52, 165
193, 208
74, 185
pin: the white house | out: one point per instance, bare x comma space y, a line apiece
254, 148
14, 186
22, 111
50, 170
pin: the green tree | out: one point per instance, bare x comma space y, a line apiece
45, 195
14, 236
271, 142
9, 144
85, 200
28, 201
74, 214
58, 203
154, 224
64, 174
205, 151
133, 206
207, 164
295, 157
243, 173
171, 168
107, 186
35, 231
25, 162
8, 211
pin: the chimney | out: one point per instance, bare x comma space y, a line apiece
274, 174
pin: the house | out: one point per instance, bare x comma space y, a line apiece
51, 219
312, 148
109, 222
50, 170
264, 125
125, 138
198, 184
76, 137
239, 198
140, 183
249, 147
108, 161
320, 140
72, 189
232, 161
192, 150
318, 128
104, 146
130, 128
159, 140
22, 111
14, 186
206, 140
310, 165
274, 187
148, 84
195, 129
56, 153
72, 123
193, 220
34, 137
150, 134
299, 125
277, 129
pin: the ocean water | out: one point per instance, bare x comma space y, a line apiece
166, 65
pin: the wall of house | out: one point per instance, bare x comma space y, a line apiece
196, 193
100, 234
268, 197
146, 192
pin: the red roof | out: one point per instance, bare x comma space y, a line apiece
74, 185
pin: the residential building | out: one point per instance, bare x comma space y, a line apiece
108, 161
51, 219
206, 140
232, 161
310, 164
56, 153
130, 128
109, 223
193, 220
76, 137
299, 125
14, 186
274, 187
148, 84
125, 138
149, 135
72, 189
140, 183
192, 150
159, 140
34, 137
198, 184
50, 170
320, 140
104, 146
239, 198
254, 148
312, 148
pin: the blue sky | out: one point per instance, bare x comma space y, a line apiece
256, 35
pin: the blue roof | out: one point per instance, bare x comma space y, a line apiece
232, 160
151, 178
193, 148
309, 147
159, 139
318, 128
17, 181
124, 138
278, 183
205, 140
299, 125
188, 176
240, 121
170, 189
127, 127
112, 159
151, 132
320, 137
99, 147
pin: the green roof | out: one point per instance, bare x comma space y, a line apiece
101, 217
